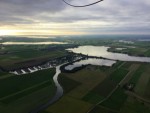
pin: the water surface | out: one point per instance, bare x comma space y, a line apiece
144, 40
31, 43
120, 48
92, 61
102, 51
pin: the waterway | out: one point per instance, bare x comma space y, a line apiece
58, 94
102, 51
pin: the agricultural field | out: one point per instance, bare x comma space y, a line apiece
18, 56
92, 89
85, 92
26, 91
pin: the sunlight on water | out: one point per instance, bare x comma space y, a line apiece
91, 61
101, 51
32, 43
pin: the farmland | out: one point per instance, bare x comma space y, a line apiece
24, 88
90, 93
29, 55
92, 89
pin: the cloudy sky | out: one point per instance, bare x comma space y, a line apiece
54, 17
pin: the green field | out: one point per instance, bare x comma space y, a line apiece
116, 100
114, 104
111, 81
118, 74
105, 87
19, 83
137, 74
101, 109
16, 56
134, 106
93, 98
65, 81
21, 89
147, 91
24, 58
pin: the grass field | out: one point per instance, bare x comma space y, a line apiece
137, 74
147, 91
134, 106
118, 74
18, 91
127, 65
65, 81
68, 104
87, 87
19, 59
29, 102
101, 109
77, 86
111, 81
141, 79
15, 96
136, 49
105, 87
142, 83
132, 69
115, 103
2, 73
17, 56
89, 78
147, 53
116, 100
92, 97
19, 83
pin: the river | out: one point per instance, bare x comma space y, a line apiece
58, 94
99, 51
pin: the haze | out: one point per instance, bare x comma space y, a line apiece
54, 17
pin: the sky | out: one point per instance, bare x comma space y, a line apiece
54, 17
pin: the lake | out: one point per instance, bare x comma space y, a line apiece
144, 40
91, 61
102, 51
31, 43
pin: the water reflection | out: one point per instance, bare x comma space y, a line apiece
101, 51
120, 49
92, 61
59, 92
32, 43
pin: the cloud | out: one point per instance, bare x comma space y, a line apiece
28, 7
109, 15
21, 10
